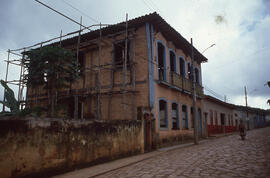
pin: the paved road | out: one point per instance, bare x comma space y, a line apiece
221, 157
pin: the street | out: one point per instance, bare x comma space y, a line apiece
219, 157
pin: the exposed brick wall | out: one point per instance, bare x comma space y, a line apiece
44, 146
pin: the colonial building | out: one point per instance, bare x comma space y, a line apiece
221, 116
252, 117
155, 84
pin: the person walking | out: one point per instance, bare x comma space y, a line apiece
242, 130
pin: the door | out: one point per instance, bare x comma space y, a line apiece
200, 121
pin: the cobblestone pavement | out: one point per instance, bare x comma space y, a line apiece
221, 157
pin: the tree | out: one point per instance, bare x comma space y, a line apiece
52, 68
11, 101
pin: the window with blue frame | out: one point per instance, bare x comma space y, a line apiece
172, 62
192, 118
175, 114
163, 114
184, 117
161, 62
182, 66
197, 76
189, 72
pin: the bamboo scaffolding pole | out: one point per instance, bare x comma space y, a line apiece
21, 72
125, 71
56, 92
133, 82
56, 38
76, 99
6, 79
98, 77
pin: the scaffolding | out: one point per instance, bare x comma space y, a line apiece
22, 87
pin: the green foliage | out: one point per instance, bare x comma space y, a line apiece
11, 101
14, 105
52, 67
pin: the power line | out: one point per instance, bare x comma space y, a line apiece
153, 4
62, 15
70, 5
234, 61
213, 92
147, 5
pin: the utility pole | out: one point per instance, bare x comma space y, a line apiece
194, 97
246, 105
246, 98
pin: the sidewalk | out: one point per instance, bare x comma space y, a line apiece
113, 165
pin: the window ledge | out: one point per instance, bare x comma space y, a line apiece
162, 82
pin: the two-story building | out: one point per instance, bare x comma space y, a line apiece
156, 82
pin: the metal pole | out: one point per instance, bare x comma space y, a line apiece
194, 97
6, 79
125, 71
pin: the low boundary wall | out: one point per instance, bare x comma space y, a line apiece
35, 146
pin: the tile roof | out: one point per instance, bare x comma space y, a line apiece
158, 22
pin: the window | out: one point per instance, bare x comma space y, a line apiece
182, 66
216, 119
189, 71
161, 62
163, 114
192, 118
119, 53
197, 76
175, 120
222, 118
184, 117
172, 61
81, 60
211, 117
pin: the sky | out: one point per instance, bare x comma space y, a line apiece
240, 31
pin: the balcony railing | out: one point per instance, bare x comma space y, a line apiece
185, 84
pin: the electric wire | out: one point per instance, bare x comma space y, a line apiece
70, 5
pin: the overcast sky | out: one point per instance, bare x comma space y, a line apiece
240, 30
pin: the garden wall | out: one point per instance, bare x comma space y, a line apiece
35, 146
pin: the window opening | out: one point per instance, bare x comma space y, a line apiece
161, 64
211, 117
192, 118
189, 71
172, 61
197, 76
163, 113
216, 118
81, 60
182, 67
174, 116
184, 117
119, 53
